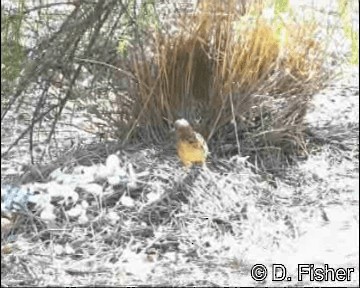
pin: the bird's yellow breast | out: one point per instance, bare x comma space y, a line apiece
191, 152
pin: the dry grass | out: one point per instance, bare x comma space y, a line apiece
169, 227
221, 66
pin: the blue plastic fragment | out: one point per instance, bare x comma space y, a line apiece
14, 199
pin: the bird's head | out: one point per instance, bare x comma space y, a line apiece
182, 127
181, 123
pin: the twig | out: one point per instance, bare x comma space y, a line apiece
105, 64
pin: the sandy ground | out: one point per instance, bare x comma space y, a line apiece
311, 216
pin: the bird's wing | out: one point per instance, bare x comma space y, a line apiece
201, 143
